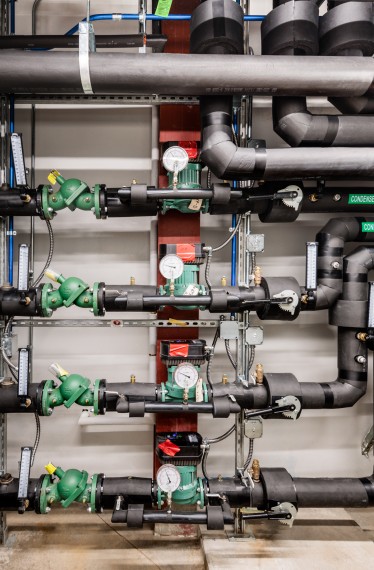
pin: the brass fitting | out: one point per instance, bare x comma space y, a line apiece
134, 181
26, 199
185, 396
223, 281
304, 298
362, 336
171, 287
313, 197
132, 378
224, 379
259, 374
256, 471
132, 280
257, 276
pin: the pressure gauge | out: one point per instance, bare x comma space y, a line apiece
175, 159
171, 266
186, 375
168, 478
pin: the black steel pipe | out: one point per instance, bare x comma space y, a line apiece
175, 74
156, 42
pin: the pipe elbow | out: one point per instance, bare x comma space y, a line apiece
345, 394
294, 128
217, 154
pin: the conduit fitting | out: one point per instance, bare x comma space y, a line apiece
256, 471
259, 374
257, 276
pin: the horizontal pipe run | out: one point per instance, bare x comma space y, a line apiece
156, 42
186, 74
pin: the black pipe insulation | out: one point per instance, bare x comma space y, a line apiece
263, 200
228, 161
293, 29
156, 42
276, 486
190, 74
331, 241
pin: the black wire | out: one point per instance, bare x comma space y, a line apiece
37, 437
229, 354
210, 358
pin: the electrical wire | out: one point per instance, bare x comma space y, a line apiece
50, 254
37, 437
229, 354
210, 251
221, 437
208, 443
210, 358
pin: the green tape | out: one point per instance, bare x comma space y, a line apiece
361, 199
163, 8
367, 226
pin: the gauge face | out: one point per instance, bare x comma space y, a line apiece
186, 375
168, 478
175, 159
171, 266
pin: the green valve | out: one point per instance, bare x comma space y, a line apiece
181, 384
361, 199
74, 389
367, 227
72, 291
72, 486
73, 193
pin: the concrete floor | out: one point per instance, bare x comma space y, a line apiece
320, 539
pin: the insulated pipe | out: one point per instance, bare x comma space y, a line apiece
331, 241
156, 42
226, 160
276, 485
186, 74
292, 29
298, 127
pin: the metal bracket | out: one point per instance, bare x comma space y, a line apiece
86, 46
286, 508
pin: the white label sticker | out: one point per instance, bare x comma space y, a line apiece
195, 205
199, 390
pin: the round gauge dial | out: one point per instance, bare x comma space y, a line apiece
186, 375
171, 266
175, 159
168, 478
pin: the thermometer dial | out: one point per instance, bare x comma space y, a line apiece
186, 375
168, 478
175, 159
171, 266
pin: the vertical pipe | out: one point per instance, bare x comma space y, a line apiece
11, 167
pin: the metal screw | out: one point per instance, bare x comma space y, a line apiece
50, 411
335, 264
86, 300
87, 199
360, 359
48, 509
89, 510
336, 197
54, 199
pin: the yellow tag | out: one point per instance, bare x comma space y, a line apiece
50, 468
176, 322
52, 177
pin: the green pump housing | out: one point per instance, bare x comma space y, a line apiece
72, 486
190, 490
171, 391
74, 389
186, 284
73, 194
189, 178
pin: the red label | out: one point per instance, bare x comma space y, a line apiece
178, 350
186, 251
169, 448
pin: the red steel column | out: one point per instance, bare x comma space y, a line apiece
177, 123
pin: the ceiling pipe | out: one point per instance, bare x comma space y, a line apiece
186, 74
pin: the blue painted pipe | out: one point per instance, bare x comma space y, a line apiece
150, 17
